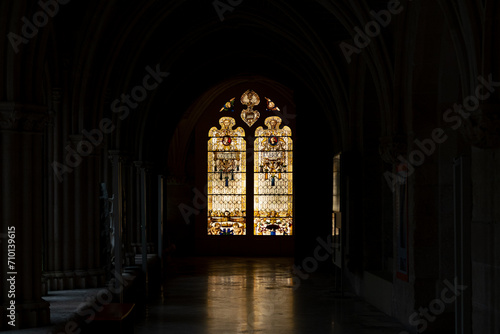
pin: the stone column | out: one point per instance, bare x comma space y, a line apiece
68, 224
53, 268
117, 160
50, 207
128, 211
95, 273
391, 147
143, 216
160, 216
482, 130
72, 259
76, 273
21, 129
138, 207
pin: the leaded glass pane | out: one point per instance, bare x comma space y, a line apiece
226, 179
273, 186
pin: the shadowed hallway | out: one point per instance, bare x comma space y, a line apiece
257, 295
360, 138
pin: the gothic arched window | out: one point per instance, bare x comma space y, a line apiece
272, 191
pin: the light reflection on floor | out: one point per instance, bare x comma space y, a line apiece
250, 296
256, 295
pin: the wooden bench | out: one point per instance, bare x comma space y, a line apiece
113, 318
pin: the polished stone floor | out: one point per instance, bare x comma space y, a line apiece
238, 295
256, 295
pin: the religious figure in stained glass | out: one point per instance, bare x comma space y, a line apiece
273, 186
226, 179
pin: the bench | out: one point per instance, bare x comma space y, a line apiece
113, 318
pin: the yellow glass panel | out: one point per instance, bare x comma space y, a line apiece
226, 179
273, 183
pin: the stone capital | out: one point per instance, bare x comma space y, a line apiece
23, 117
138, 164
147, 166
175, 180
57, 94
75, 139
482, 128
391, 147
118, 156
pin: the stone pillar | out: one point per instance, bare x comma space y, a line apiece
138, 208
21, 128
483, 133
76, 273
128, 211
160, 215
462, 248
132, 205
68, 227
73, 255
95, 274
390, 148
50, 187
53, 268
117, 160
143, 216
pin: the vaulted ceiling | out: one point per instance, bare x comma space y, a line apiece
95, 51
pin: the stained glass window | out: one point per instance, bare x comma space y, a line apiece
336, 195
226, 179
336, 214
273, 196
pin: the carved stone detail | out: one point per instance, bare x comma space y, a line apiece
122, 156
391, 147
175, 180
19, 117
482, 128
57, 95
147, 166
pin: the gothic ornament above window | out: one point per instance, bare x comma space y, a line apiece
249, 115
229, 106
271, 106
